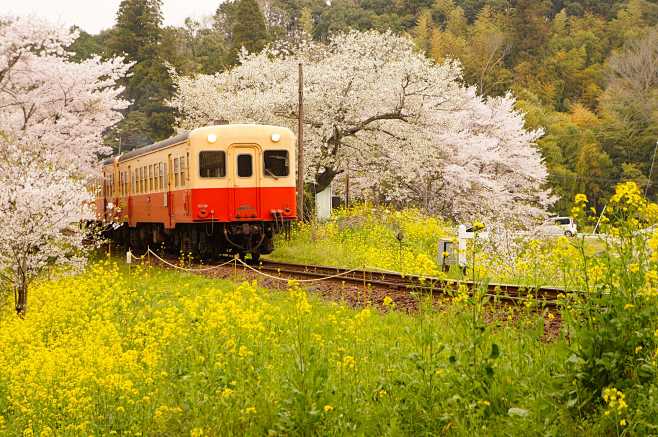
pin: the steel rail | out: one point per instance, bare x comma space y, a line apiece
505, 292
509, 293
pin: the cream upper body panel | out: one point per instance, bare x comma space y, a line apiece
230, 139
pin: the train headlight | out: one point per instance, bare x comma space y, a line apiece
276, 137
212, 138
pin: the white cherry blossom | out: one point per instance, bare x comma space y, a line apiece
53, 113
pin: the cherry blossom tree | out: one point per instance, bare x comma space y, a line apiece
52, 116
41, 212
52, 103
407, 128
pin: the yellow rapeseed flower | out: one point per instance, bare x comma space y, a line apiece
581, 198
348, 362
477, 226
328, 408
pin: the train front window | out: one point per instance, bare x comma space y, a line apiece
245, 165
276, 163
212, 164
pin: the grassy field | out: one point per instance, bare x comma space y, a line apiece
156, 352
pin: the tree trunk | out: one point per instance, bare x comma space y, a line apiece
323, 180
21, 300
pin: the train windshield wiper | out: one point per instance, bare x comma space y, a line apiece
268, 171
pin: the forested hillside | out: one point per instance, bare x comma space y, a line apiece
584, 71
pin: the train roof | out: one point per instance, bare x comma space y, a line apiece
184, 136
142, 150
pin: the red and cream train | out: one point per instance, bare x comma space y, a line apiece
215, 190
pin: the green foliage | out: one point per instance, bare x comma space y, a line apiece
249, 30
137, 35
87, 45
195, 48
614, 325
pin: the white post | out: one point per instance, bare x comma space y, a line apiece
461, 241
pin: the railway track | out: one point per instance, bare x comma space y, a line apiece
283, 271
510, 293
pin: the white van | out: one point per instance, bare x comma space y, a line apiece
559, 226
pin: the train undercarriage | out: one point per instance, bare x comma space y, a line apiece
202, 240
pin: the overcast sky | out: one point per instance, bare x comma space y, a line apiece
95, 15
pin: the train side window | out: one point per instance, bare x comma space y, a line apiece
245, 166
161, 176
182, 171
155, 177
176, 170
212, 164
276, 163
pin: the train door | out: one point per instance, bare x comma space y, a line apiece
244, 162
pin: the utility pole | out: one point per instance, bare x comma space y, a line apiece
646, 189
300, 146
347, 186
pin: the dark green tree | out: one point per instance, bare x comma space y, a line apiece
248, 28
88, 45
137, 35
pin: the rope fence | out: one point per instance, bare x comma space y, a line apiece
130, 256
236, 260
337, 275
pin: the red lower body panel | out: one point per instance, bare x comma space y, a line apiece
208, 204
